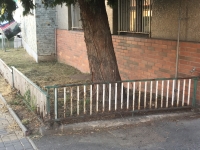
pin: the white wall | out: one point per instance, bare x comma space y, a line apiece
28, 32
63, 17
38, 32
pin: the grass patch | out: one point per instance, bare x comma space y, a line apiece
43, 73
25, 121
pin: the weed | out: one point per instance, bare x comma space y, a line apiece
33, 108
25, 121
27, 97
87, 101
14, 102
30, 101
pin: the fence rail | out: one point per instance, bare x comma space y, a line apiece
124, 96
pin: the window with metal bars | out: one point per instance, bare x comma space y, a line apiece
134, 16
75, 15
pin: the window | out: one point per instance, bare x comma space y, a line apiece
134, 16
75, 15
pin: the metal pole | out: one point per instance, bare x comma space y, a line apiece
72, 11
150, 15
56, 25
56, 103
177, 49
178, 40
4, 42
194, 92
48, 109
119, 17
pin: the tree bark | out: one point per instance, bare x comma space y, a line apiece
100, 50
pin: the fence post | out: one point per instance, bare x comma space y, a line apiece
48, 104
194, 92
56, 102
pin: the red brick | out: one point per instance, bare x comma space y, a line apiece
160, 53
184, 62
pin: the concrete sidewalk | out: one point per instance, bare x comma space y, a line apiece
11, 136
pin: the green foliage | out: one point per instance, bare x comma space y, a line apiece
68, 2
112, 3
30, 101
27, 5
14, 102
25, 122
7, 7
87, 102
27, 96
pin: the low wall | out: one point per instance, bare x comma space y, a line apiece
137, 58
34, 96
6, 72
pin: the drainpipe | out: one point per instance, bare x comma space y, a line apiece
56, 24
119, 18
178, 41
150, 8
3, 41
55, 42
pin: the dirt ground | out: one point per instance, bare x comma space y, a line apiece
28, 118
43, 74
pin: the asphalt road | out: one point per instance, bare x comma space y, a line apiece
164, 134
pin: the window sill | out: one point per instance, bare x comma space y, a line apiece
143, 35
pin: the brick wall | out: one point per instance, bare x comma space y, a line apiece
144, 58
71, 49
152, 58
138, 58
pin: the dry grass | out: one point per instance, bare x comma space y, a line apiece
16, 103
44, 73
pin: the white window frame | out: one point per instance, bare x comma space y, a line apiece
76, 18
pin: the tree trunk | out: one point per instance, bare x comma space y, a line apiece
100, 50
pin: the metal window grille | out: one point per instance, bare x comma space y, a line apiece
134, 16
76, 18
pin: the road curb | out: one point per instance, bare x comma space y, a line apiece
94, 125
32, 143
16, 118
